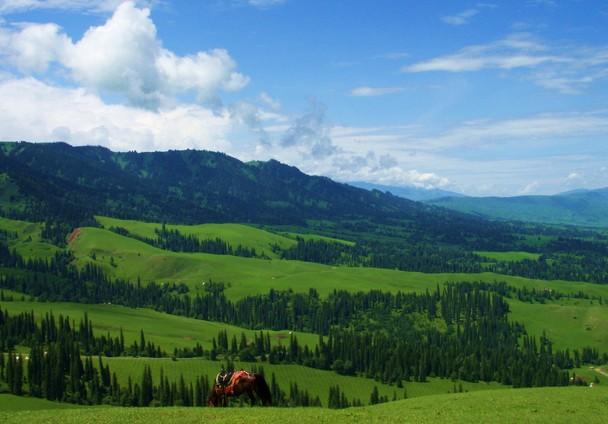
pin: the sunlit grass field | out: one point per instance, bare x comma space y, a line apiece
546, 405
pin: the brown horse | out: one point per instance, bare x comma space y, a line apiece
240, 383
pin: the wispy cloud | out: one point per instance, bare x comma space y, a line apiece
11, 6
263, 4
374, 91
461, 18
567, 69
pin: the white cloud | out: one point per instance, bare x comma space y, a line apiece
573, 176
33, 47
374, 91
124, 56
461, 18
32, 110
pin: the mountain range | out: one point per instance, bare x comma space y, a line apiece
578, 207
408, 192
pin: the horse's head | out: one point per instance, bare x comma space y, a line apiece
216, 397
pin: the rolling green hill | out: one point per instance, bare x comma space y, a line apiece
586, 208
168, 331
245, 276
550, 405
235, 234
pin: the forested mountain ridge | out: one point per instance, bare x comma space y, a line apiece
579, 207
55, 180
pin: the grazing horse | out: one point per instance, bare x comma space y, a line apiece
241, 382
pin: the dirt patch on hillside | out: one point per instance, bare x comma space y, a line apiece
73, 235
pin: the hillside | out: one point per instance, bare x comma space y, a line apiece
580, 207
547, 405
42, 181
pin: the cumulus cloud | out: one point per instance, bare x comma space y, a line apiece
384, 169
123, 56
374, 91
35, 111
33, 47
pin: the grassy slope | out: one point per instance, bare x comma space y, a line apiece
547, 405
235, 234
248, 276
28, 242
316, 381
168, 331
568, 323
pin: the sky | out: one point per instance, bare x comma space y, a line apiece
484, 98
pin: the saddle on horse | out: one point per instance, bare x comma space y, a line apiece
223, 378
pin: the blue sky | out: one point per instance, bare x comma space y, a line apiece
485, 98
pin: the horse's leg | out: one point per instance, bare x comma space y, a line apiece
251, 397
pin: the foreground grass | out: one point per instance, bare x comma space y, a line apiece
544, 405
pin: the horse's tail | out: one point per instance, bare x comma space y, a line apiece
262, 389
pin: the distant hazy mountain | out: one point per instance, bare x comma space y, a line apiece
576, 207
412, 193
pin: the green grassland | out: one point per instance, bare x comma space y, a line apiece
246, 276
234, 234
10, 402
569, 323
509, 256
546, 405
246, 235
29, 242
167, 331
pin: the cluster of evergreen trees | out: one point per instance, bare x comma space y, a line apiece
458, 331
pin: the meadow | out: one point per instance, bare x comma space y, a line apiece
129, 258
569, 323
545, 405
164, 330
